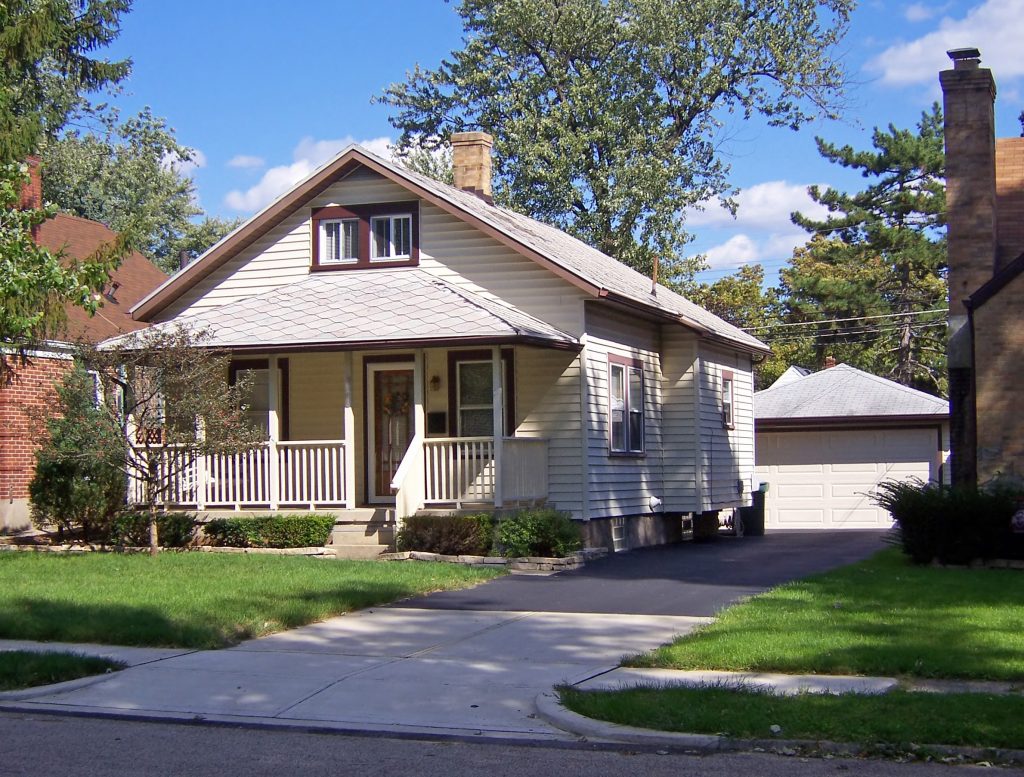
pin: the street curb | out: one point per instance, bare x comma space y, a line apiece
48, 690
550, 708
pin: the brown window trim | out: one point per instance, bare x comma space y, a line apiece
363, 214
238, 365
454, 357
728, 375
629, 363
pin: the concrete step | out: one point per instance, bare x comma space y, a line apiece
357, 552
362, 534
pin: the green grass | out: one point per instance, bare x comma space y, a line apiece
22, 669
883, 616
197, 600
896, 718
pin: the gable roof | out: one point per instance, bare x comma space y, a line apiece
844, 392
136, 277
368, 308
584, 266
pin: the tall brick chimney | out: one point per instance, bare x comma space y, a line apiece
968, 96
32, 192
969, 93
471, 163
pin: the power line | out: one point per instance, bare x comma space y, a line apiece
874, 333
842, 320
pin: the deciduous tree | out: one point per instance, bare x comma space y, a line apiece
607, 113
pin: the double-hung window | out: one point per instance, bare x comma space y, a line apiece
339, 241
728, 400
471, 397
626, 405
390, 237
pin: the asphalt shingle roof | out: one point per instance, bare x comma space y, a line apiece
843, 392
366, 306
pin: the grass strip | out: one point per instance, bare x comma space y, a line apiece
198, 600
895, 718
24, 669
883, 616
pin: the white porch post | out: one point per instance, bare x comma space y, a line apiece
419, 417
350, 435
499, 421
274, 433
200, 469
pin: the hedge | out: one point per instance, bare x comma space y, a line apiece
282, 531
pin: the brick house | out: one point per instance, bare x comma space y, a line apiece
32, 386
985, 215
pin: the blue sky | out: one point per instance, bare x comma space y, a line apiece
266, 95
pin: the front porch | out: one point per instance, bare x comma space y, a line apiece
384, 454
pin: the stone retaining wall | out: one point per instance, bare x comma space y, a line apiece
524, 565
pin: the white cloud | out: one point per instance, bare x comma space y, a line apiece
246, 162
737, 250
764, 206
185, 167
995, 26
921, 12
308, 155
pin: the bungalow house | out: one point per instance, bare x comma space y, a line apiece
32, 385
415, 347
985, 214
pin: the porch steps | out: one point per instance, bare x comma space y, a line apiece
363, 533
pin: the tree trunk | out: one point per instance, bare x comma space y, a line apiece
154, 540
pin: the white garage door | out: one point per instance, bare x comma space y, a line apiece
821, 479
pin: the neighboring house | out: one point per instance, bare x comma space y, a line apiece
826, 439
985, 214
414, 346
32, 386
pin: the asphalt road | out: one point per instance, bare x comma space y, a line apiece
697, 579
85, 747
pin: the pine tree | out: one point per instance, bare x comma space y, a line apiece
880, 252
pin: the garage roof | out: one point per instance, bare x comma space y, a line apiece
844, 392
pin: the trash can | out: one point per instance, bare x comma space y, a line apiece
753, 516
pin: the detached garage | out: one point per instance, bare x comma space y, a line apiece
826, 439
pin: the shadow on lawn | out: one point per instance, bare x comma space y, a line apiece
46, 620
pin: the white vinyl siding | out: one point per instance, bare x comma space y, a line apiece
548, 406
727, 454
621, 484
679, 426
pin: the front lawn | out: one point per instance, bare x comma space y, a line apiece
197, 600
22, 669
883, 616
896, 718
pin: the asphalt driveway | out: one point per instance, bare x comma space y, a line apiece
691, 579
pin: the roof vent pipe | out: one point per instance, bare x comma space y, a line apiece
471, 163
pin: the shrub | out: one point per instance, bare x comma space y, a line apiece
451, 535
542, 532
175, 530
78, 482
954, 524
277, 531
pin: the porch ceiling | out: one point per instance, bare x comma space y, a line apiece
358, 308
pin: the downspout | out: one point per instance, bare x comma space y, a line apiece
698, 457
584, 433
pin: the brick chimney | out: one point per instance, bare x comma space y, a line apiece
471, 163
830, 362
969, 92
32, 192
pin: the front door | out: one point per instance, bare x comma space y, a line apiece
390, 402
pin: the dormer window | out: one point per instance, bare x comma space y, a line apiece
339, 241
360, 236
390, 237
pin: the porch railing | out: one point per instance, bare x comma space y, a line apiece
460, 470
297, 473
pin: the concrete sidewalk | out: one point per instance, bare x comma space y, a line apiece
395, 669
